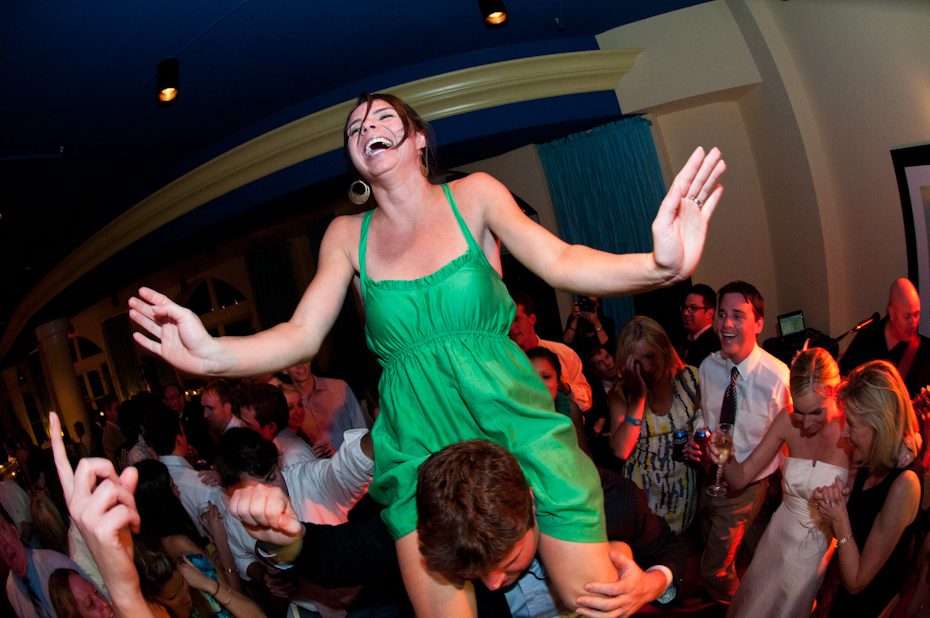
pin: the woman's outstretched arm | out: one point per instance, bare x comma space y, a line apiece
678, 234
177, 334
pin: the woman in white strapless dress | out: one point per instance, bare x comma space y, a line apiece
794, 552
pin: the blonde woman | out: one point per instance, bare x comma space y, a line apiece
794, 552
874, 530
657, 397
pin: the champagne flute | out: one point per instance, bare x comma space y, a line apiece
723, 440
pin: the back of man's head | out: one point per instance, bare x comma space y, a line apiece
473, 506
269, 403
162, 428
749, 292
244, 451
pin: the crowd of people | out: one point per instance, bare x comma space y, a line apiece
500, 473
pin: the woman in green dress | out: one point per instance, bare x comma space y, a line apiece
426, 263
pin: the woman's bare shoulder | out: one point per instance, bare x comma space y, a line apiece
179, 544
478, 187
346, 224
343, 233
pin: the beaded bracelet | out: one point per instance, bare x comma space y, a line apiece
842, 541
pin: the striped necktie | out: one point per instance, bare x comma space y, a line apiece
728, 407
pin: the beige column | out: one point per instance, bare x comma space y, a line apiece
16, 398
59, 372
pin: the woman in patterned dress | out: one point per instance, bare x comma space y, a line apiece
657, 396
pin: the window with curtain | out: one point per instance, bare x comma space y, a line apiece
606, 186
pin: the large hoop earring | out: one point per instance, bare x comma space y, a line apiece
359, 192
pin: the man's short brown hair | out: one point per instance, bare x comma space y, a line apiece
473, 505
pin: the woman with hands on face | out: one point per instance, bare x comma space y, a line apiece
657, 396
426, 262
791, 558
874, 529
187, 585
164, 519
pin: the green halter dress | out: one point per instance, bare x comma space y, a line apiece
452, 374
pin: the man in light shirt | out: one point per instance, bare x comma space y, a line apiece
217, 407
761, 391
523, 333
264, 409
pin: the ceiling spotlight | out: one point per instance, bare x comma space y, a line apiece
493, 11
167, 80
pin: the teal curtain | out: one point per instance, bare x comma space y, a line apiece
606, 186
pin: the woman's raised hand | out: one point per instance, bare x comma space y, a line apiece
680, 226
195, 578
175, 333
634, 387
103, 508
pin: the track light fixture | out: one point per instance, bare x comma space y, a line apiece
493, 12
167, 81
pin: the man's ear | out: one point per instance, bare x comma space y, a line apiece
760, 324
532, 318
533, 498
271, 428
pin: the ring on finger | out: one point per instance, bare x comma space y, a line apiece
698, 201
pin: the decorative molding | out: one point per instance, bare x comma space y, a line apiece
436, 97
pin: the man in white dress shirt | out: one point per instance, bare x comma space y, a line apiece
321, 492
264, 409
523, 333
166, 436
760, 385
217, 407
330, 406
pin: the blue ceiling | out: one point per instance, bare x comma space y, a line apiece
82, 138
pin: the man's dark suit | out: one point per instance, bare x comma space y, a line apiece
693, 352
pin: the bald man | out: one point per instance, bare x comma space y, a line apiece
895, 339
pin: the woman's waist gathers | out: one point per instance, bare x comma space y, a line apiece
390, 356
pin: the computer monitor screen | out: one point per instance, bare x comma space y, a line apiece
791, 323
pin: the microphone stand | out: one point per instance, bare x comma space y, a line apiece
855, 329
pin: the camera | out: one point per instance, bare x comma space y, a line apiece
586, 304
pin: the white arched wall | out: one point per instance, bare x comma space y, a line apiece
808, 98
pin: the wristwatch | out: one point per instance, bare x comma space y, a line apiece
668, 596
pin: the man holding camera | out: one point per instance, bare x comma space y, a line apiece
587, 327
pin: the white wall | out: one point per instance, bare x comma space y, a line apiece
865, 70
815, 94
739, 239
